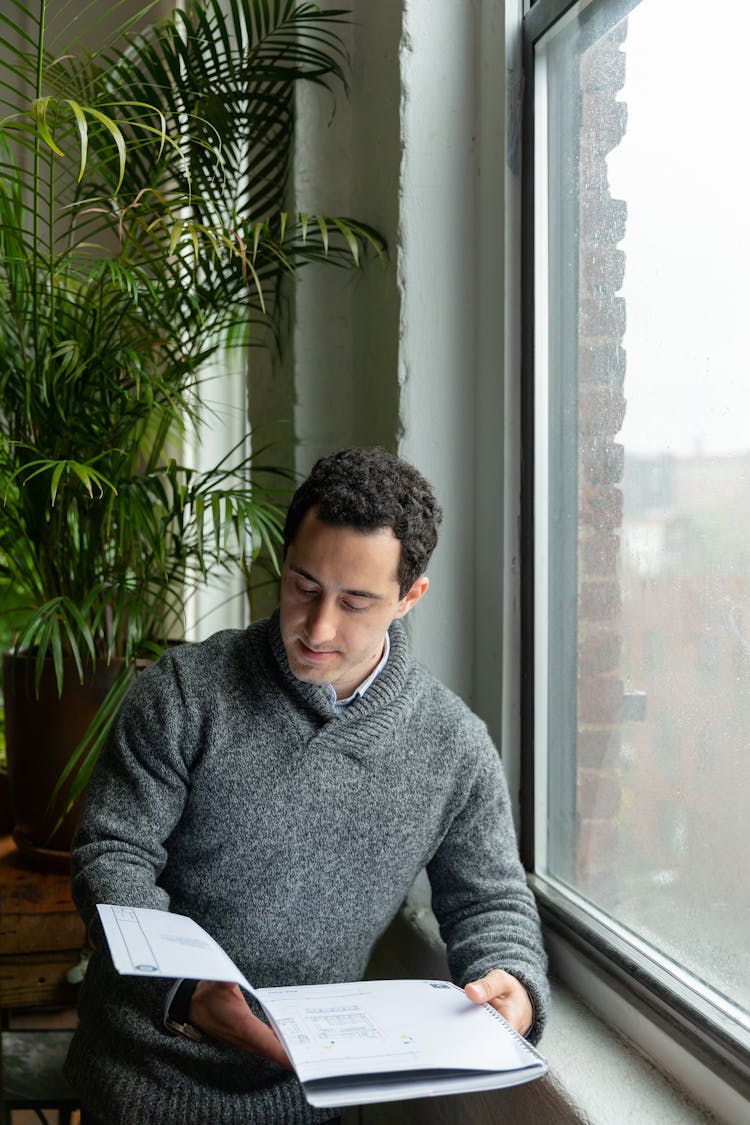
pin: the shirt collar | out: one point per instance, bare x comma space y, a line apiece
339, 705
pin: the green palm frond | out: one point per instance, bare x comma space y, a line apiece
144, 227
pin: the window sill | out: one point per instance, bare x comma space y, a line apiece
595, 1076
602, 1078
682, 1090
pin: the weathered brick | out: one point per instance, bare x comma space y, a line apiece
599, 653
601, 375
600, 699
601, 410
603, 219
598, 795
598, 554
597, 745
593, 172
599, 601
604, 122
602, 460
602, 269
597, 843
604, 508
602, 362
616, 36
602, 315
603, 68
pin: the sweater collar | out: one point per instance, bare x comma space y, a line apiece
340, 705
385, 689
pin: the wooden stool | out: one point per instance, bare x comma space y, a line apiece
41, 939
31, 1076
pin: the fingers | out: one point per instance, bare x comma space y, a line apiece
221, 1011
506, 995
482, 991
262, 1040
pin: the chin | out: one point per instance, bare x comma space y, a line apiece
307, 674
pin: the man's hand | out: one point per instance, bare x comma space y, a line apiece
221, 1011
506, 995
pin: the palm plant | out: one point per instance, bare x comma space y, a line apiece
142, 231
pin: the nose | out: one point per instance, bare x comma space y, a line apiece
320, 624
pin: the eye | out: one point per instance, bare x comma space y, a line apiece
306, 591
351, 607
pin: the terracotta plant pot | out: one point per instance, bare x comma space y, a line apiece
41, 732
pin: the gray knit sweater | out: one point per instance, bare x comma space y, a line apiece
232, 793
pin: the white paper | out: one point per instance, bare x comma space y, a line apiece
155, 943
390, 1025
350, 1043
394, 1039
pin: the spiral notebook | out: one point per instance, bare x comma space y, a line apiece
350, 1043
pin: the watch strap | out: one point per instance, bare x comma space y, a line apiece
177, 1015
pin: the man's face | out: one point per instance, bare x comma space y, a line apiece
339, 594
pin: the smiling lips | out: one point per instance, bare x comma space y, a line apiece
316, 655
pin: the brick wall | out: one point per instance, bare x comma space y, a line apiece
601, 411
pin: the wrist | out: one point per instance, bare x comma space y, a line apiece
177, 1013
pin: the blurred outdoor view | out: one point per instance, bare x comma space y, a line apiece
682, 169
648, 257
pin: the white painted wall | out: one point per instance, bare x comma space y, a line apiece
221, 603
437, 277
413, 357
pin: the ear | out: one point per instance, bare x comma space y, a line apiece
410, 599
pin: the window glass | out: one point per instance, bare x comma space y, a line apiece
642, 476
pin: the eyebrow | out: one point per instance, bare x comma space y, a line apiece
352, 593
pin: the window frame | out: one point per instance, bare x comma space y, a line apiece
650, 985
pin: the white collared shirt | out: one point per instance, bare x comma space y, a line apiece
340, 705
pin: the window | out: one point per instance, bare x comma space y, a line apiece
638, 408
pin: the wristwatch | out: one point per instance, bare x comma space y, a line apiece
178, 1010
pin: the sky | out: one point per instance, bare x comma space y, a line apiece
682, 169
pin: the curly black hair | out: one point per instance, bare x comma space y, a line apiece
370, 489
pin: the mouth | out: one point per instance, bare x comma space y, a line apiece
315, 655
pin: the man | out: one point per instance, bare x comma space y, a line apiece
283, 785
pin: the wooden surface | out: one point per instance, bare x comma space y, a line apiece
41, 935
